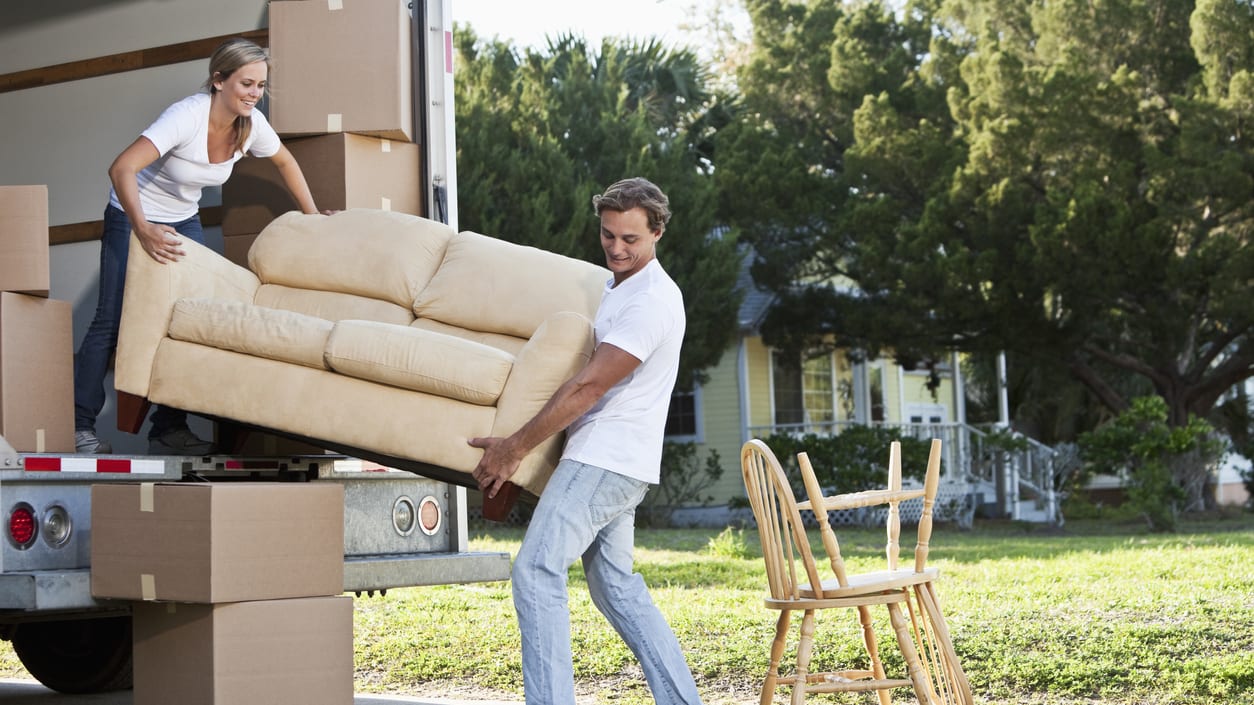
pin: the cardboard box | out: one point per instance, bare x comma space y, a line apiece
273, 651
217, 542
342, 66
24, 239
36, 373
343, 171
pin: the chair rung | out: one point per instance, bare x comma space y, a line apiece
868, 498
858, 686
834, 676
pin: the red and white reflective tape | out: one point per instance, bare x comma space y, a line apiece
52, 463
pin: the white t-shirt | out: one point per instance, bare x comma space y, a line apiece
169, 188
622, 432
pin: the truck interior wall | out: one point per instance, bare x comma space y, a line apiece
65, 135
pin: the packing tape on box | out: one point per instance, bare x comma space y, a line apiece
334, 5
146, 490
148, 586
385, 145
385, 203
335, 122
41, 445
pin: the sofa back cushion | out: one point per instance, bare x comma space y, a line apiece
500, 341
372, 253
490, 285
331, 305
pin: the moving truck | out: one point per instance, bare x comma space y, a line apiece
78, 82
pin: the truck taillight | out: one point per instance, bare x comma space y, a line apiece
404, 515
429, 515
57, 526
22, 526
426, 515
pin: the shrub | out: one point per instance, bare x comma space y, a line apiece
1166, 467
854, 460
684, 483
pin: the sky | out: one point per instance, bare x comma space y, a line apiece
528, 23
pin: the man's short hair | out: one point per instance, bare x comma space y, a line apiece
636, 192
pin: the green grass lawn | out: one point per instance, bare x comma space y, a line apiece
1095, 613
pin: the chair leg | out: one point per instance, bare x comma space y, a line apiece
873, 651
949, 666
804, 648
905, 641
777, 653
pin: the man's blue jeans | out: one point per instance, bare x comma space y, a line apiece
589, 512
91, 364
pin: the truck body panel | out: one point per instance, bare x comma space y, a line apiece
77, 85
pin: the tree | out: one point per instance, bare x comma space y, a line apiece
1066, 181
538, 134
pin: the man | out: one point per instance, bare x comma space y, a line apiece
614, 413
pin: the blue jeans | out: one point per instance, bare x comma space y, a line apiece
589, 512
91, 364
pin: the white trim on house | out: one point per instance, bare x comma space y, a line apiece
742, 385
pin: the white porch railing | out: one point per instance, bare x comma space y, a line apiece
1022, 476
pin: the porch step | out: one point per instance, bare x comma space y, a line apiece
1033, 515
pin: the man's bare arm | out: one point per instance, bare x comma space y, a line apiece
501, 456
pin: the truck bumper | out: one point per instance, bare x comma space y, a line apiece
70, 590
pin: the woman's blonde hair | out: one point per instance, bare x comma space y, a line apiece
226, 60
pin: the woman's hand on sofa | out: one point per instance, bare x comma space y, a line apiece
499, 463
161, 242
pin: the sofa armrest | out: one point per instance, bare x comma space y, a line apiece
151, 290
561, 346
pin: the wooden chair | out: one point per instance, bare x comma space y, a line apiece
908, 594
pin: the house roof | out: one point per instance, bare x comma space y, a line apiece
757, 301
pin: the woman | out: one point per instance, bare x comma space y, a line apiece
157, 182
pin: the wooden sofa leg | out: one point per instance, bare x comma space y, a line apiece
132, 411
497, 508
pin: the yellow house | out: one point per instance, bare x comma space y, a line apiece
756, 391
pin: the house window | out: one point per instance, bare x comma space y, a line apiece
803, 390
683, 418
926, 414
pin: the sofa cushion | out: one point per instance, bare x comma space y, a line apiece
372, 253
508, 343
420, 360
331, 305
491, 285
264, 332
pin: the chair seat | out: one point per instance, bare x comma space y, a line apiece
869, 583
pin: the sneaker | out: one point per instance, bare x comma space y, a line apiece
179, 442
86, 442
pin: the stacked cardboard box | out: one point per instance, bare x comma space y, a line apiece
341, 66
348, 122
36, 332
343, 171
237, 588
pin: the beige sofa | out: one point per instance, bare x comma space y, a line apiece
376, 333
